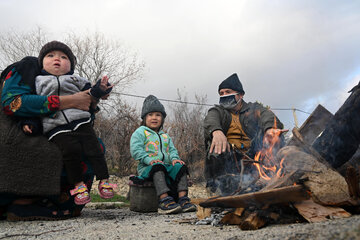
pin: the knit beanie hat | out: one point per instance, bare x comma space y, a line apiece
152, 104
233, 83
56, 45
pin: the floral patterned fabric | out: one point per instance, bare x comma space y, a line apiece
18, 98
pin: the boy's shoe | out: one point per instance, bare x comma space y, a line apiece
186, 205
106, 190
167, 205
81, 194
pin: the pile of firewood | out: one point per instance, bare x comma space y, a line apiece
309, 189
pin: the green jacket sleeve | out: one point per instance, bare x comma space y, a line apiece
173, 151
137, 147
212, 122
269, 120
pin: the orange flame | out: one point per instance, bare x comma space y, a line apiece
266, 162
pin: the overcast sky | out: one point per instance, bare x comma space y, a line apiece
286, 53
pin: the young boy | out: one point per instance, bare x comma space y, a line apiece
159, 161
71, 129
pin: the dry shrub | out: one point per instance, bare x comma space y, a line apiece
115, 129
185, 127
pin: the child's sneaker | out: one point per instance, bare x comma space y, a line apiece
186, 205
167, 205
81, 193
106, 189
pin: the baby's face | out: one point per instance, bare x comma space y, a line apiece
56, 63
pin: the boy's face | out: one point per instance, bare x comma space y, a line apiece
56, 63
153, 120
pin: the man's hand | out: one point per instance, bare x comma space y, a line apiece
155, 161
271, 134
177, 161
219, 142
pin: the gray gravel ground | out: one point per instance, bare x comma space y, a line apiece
125, 224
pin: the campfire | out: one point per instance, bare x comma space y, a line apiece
291, 184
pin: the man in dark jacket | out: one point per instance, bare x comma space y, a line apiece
234, 126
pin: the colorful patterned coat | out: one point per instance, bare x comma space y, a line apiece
147, 145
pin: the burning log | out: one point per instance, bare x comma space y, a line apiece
279, 195
289, 179
326, 185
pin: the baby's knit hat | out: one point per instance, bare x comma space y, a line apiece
56, 45
152, 104
233, 83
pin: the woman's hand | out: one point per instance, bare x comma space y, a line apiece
80, 100
155, 161
177, 161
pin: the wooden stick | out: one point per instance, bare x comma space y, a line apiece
279, 195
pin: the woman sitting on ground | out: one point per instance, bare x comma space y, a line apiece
31, 183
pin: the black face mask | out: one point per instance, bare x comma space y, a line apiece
229, 101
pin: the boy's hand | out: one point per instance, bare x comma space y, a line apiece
177, 161
102, 88
104, 84
105, 97
27, 129
155, 161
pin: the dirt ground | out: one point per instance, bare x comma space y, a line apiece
121, 223
125, 224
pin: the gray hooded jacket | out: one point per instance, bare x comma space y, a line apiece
63, 85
